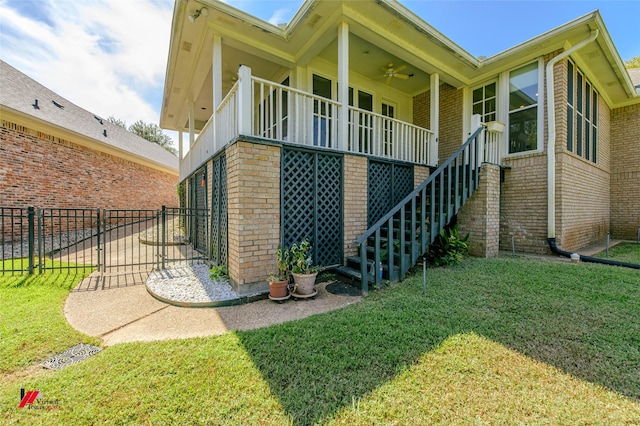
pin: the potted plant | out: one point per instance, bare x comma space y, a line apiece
302, 268
279, 281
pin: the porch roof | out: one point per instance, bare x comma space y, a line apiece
381, 32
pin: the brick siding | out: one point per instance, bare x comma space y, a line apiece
480, 215
253, 182
625, 172
450, 126
355, 201
41, 170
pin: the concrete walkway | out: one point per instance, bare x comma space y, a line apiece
119, 309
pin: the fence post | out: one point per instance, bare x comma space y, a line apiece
31, 231
164, 233
98, 237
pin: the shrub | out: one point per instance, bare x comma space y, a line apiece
448, 248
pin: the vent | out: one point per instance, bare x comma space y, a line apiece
57, 104
314, 19
35, 105
99, 119
104, 133
186, 46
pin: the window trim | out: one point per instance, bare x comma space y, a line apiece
585, 115
540, 113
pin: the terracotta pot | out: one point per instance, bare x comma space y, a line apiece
304, 283
278, 289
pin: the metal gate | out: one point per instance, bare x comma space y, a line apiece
388, 184
311, 203
92, 239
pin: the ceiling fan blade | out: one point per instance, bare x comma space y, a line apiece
388, 80
402, 76
400, 68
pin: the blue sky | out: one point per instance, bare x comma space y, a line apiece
109, 56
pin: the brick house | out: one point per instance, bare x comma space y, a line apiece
357, 121
56, 154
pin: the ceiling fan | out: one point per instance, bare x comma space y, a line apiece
390, 72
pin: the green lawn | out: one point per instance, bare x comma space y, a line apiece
622, 252
32, 326
493, 342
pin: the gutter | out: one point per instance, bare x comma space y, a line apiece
551, 142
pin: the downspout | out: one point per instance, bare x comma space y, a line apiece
551, 160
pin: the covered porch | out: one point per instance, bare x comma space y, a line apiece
334, 78
259, 108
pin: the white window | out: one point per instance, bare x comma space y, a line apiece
523, 108
484, 102
582, 115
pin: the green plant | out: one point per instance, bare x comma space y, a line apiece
218, 271
283, 258
448, 248
301, 262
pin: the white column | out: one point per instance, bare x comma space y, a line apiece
192, 125
434, 111
245, 113
343, 85
216, 72
180, 147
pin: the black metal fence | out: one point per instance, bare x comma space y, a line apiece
106, 240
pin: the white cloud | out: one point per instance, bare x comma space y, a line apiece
280, 16
108, 57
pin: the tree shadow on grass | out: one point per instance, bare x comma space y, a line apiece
585, 327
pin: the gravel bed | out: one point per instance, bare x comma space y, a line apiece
19, 249
190, 284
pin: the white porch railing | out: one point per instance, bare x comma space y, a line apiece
493, 142
212, 137
264, 109
376, 134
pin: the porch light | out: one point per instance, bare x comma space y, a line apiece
204, 12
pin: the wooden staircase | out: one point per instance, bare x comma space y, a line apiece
394, 244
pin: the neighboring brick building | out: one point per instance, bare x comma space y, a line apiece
306, 138
56, 154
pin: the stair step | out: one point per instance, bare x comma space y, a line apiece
349, 272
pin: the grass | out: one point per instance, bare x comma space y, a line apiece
493, 341
622, 252
32, 326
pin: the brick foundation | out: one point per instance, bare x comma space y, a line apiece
355, 201
480, 215
253, 183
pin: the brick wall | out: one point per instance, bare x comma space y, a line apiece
625, 172
450, 126
582, 187
253, 183
355, 201
420, 174
45, 171
583, 196
480, 215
